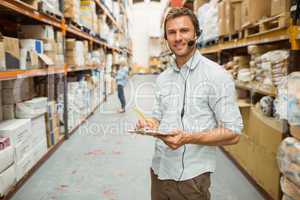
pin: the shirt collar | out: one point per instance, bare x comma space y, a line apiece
192, 63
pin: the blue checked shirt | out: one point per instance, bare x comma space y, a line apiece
122, 76
210, 102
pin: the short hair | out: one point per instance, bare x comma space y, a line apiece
178, 12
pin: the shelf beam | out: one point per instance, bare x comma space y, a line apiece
272, 36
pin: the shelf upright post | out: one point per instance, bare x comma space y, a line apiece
66, 115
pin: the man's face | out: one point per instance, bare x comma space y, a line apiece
180, 31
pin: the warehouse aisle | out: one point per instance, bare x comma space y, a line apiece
102, 162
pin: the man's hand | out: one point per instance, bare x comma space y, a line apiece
150, 123
174, 141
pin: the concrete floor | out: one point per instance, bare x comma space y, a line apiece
103, 162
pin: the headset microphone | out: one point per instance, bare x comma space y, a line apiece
192, 42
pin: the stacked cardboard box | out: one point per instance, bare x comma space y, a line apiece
19, 130
7, 167
30, 48
72, 10
87, 13
15, 91
12, 53
74, 52
254, 10
280, 6
60, 48
53, 124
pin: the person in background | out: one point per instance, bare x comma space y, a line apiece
121, 78
195, 101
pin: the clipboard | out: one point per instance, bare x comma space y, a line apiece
150, 132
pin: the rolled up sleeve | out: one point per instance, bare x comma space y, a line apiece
224, 104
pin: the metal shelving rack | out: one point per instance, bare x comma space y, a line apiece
290, 35
25, 10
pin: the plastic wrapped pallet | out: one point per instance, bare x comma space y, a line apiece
50, 6
6, 158
72, 10
7, 180
23, 166
208, 20
288, 159
32, 108
289, 188
87, 13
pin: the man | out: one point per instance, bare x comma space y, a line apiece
195, 101
121, 78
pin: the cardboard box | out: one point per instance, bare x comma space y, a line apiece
229, 18
267, 172
38, 128
34, 45
18, 130
6, 158
8, 112
268, 132
41, 32
22, 149
255, 10
7, 180
221, 18
23, 166
237, 13
72, 9
280, 6
39, 151
29, 59
11, 96
2, 57
12, 52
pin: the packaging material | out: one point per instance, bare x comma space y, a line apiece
6, 158
12, 52
254, 10
22, 149
295, 131
22, 167
289, 188
288, 159
7, 180
2, 57
32, 108
72, 10
50, 6
87, 13
280, 6
221, 18
4, 142
17, 90
38, 128
266, 105
8, 112
208, 21
41, 32
34, 45
39, 151
28, 59
237, 13
17, 130
229, 17
75, 52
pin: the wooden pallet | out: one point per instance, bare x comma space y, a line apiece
70, 21
267, 25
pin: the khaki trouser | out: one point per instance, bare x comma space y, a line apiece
192, 189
